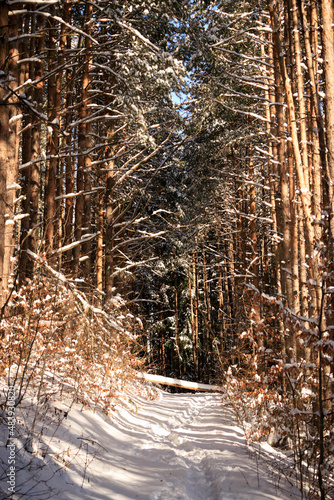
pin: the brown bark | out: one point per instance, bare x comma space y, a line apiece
4, 137
86, 144
327, 18
176, 355
83, 204
207, 312
31, 151
54, 103
311, 47
273, 147
110, 205
221, 313
69, 205
284, 216
302, 179
327, 36
69, 161
255, 313
9, 126
302, 117
196, 313
162, 346
99, 247
191, 300
26, 51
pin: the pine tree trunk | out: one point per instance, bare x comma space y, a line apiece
302, 117
4, 139
99, 247
69, 168
221, 312
26, 51
196, 313
327, 18
302, 179
207, 317
82, 208
177, 333
110, 205
86, 144
253, 230
54, 101
9, 127
273, 146
311, 46
31, 151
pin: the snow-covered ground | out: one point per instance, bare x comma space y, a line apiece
180, 446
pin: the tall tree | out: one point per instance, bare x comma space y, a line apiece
9, 146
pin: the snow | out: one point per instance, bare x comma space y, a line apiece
178, 446
14, 186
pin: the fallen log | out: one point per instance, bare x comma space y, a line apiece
185, 384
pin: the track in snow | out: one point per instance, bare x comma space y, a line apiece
181, 447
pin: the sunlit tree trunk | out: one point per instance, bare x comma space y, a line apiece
9, 127
69, 159
83, 202
327, 19
54, 103
87, 144
26, 50
311, 50
327, 36
221, 314
283, 203
31, 151
110, 213
302, 178
254, 268
99, 247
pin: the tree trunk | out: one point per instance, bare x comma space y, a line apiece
69, 167
207, 317
9, 127
327, 21
54, 102
177, 333
87, 144
302, 179
26, 50
196, 313
110, 214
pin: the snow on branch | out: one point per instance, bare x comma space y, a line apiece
140, 238
235, 93
35, 2
141, 162
131, 265
56, 18
82, 304
247, 113
253, 59
140, 36
84, 239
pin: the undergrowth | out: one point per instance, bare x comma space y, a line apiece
58, 348
279, 399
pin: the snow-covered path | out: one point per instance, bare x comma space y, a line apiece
183, 446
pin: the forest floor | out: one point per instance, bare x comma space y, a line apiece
179, 446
